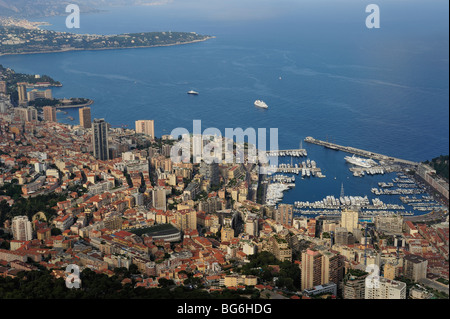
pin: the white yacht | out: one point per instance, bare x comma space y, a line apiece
261, 104
358, 161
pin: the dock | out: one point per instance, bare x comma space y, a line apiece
73, 106
293, 152
293, 170
360, 152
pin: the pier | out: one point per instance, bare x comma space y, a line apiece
315, 171
359, 152
73, 106
378, 169
293, 153
306, 169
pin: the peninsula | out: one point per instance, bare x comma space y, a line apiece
18, 40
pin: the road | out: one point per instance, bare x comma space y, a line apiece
435, 285
432, 216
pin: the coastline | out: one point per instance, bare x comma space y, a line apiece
100, 49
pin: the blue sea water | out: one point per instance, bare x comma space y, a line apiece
384, 90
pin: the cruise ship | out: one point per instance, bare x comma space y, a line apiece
261, 104
358, 161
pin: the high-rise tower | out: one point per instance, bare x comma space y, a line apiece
85, 117
21, 228
49, 113
100, 139
146, 127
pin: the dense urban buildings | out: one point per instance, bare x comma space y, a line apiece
26, 114
129, 206
110, 199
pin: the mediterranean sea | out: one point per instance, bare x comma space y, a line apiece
322, 72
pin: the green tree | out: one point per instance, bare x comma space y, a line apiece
164, 283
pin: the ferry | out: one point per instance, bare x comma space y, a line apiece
261, 104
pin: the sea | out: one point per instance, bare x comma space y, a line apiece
317, 65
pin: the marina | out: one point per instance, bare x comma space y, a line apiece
397, 191
282, 179
308, 169
362, 214
333, 203
403, 184
278, 183
392, 196
275, 192
407, 205
409, 200
364, 166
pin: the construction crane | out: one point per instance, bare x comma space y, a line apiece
365, 245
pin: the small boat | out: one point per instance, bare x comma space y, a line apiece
192, 92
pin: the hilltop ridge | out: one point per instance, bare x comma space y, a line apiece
48, 8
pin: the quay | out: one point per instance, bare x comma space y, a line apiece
359, 152
73, 106
433, 216
294, 152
